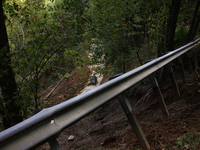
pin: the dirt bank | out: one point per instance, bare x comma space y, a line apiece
108, 127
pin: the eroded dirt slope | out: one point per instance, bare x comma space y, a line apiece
108, 127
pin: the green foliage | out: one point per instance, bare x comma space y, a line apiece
115, 24
180, 36
188, 140
118, 28
44, 38
49, 38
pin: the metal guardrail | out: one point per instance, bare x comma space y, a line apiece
49, 123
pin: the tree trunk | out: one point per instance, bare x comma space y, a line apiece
194, 24
195, 28
171, 24
9, 111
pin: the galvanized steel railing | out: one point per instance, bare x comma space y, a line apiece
49, 123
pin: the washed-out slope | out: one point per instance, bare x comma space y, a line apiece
108, 127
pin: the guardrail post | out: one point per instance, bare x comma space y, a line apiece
159, 95
133, 121
54, 144
182, 70
132, 118
189, 63
173, 80
194, 59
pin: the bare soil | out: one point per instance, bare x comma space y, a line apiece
108, 127
71, 87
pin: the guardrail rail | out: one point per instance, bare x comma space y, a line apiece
46, 125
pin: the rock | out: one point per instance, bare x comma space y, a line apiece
71, 138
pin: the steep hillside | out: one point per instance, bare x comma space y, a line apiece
108, 127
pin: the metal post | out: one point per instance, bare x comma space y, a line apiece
189, 63
133, 121
182, 70
132, 118
159, 95
173, 80
195, 59
54, 144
